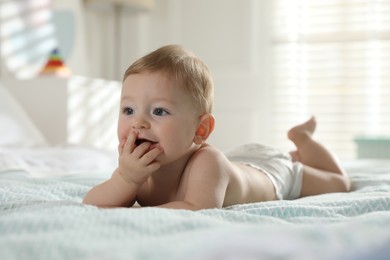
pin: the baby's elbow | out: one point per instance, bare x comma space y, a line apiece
88, 201
344, 184
348, 185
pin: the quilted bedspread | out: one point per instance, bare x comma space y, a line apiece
43, 218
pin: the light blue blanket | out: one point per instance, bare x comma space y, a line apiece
45, 219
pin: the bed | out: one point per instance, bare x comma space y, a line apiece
42, 217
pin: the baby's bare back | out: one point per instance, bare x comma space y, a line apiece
245, 183
208, 180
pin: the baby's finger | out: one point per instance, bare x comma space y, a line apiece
154, 166
141, 149
150, 156
130, 142
121, 145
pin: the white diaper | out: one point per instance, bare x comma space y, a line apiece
284, 174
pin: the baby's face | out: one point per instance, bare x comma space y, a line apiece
160, 112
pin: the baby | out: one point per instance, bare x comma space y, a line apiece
165, 119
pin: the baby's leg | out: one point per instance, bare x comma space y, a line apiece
309, 151
322, 171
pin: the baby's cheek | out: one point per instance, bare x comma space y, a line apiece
122, 133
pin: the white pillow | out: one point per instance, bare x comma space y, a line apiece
16, 127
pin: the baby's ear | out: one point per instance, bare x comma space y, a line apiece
205, 128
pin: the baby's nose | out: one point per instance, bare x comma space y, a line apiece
139, 123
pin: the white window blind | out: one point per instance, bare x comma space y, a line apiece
332, 60
27, 36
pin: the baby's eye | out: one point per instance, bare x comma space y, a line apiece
160, 111
128, 111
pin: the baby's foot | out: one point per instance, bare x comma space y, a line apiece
303, 131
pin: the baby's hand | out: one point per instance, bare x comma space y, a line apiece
137, 163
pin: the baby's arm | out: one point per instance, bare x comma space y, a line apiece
204, 183
136, 164
115, 192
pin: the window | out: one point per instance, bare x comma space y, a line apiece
27, 36
332, 60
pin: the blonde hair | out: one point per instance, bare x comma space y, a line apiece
184, 68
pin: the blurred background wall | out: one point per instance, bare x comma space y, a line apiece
274, 63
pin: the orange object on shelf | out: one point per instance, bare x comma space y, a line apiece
55, 66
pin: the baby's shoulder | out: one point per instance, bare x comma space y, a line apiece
206, 163
208, 150
208, 154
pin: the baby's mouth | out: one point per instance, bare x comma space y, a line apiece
140, 141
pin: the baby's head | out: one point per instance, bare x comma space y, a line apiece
184, 69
